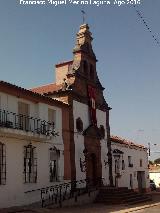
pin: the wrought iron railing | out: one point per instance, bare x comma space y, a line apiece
58, 193
25, 123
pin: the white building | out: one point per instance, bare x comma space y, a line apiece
154, 175
130, 164
31, 151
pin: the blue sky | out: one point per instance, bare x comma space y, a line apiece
34, 38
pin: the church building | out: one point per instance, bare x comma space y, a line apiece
60, 132
78, 85
93, 153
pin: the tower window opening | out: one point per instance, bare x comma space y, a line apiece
91, 72
85, 67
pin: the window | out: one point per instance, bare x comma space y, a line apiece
52, 116
30, 164
79, 125
123, 165
2, 164
91, 72
117, 166
130, 164
87, 46
85, 67
141, 162
23, 119
102, 131
53, 164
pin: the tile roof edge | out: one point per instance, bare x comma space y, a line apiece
32, 93
41, 86
127, 142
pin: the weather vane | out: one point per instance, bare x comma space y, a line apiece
84, 16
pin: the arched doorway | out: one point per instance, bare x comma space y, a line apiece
91, 173
93, 155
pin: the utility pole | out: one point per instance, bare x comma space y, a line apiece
149, 149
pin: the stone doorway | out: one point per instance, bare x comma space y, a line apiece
141, 181
91, 172
93, 154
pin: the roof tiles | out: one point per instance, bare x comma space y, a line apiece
46, 88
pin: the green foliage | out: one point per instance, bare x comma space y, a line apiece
151, 162
157, 161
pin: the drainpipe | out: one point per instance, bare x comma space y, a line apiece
109, 154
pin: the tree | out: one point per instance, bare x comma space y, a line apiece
151, 162
157, 161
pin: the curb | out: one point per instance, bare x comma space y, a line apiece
141, 208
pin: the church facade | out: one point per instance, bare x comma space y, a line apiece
77, 84
93, 152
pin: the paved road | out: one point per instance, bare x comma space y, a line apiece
96, 208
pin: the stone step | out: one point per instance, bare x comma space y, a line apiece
119, 196
139, 201
103, 191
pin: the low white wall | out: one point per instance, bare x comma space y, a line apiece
13, 193
155, 176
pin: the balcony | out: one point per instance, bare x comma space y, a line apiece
22, 125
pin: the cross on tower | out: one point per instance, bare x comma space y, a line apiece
84, 15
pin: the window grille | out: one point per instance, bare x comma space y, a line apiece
2, 164
53, 165
123, 165
30, 164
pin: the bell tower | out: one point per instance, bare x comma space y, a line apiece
84, 42
83, 54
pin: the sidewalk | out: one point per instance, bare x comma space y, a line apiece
91, 208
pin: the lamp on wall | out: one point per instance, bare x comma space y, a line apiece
106, 163
83, 162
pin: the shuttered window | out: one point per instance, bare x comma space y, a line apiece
23, 111
51, 116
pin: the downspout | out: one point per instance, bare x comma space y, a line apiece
109, 154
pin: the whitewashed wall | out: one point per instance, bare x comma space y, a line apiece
101, 120
81, 110
155, 176
36, 110
13, 193
136, 155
